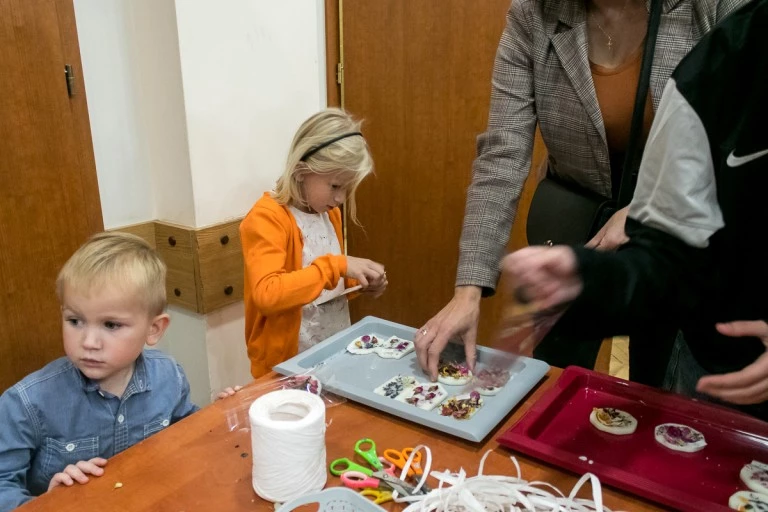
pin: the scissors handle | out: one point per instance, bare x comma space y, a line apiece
416, 462
378, 496
397, 458
358, 480
370, 454
340, 466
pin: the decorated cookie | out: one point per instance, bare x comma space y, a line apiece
746, 501
613, 421
755, 476
489, 381
395, 386
364, 344
394, 348
306, 382
453, 374
681, 438
462, 407
424, 395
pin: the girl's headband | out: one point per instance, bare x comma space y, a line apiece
315, 149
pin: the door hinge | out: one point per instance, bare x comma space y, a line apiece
339, 73
69, 74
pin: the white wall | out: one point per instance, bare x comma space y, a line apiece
125, 182
200, 99
251, 75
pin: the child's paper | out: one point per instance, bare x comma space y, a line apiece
322, 300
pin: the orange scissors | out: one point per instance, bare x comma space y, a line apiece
400, 457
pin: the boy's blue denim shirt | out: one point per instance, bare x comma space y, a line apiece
56, 416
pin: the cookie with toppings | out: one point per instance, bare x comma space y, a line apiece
394, 348
745, 501
462, 407
489, 381
755, 476
395, 386
453, 374
364, 344
424, 395
678, 437
613, 421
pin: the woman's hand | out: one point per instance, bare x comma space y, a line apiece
364, 271
612, 235
747, 386
458, 318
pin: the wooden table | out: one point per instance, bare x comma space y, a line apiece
199, 465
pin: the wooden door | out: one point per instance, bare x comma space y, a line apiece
49, 198
419, 73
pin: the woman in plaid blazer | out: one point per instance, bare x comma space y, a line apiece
542, 75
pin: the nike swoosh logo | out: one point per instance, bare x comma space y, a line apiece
736, 161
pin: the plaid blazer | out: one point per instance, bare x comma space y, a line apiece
542, 75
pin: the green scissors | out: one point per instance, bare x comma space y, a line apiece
369, 455
342, 465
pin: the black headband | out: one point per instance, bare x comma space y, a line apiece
317, 148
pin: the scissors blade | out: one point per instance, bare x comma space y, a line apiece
396, 484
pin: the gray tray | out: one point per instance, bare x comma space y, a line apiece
356, 376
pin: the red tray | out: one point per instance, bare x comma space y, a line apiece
557, 430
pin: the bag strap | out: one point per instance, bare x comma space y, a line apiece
634, 152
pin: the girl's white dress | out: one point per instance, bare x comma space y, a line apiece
321, 321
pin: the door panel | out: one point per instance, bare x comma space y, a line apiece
419, 73
49, 199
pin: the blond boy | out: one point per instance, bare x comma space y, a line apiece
62, 423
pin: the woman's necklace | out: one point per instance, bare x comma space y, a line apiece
605, 33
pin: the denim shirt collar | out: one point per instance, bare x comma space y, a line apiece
138, 384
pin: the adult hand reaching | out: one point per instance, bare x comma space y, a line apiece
612, 235
545, 276
458, 318
749, 385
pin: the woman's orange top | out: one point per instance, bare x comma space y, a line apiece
615, 89
277, 286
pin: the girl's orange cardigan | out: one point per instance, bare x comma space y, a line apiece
276, 286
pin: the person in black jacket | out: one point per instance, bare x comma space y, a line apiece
697, 249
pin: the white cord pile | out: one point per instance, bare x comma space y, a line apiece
495, 493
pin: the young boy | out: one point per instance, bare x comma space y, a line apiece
62, 422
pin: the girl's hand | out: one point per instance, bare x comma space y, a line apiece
376, 288
78, 472
365, 271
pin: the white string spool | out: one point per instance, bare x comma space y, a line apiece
288, 444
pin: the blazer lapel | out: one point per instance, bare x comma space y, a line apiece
674, 42
570, 44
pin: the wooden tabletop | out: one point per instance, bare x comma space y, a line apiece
198, 464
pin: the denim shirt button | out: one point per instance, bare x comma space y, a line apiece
70, 447
166, 423
120, 418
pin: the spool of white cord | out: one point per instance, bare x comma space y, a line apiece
288, 444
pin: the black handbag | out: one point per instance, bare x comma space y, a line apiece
565, 213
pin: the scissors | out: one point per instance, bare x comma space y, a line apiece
356, 480
370, 454
377, 495
400, 457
